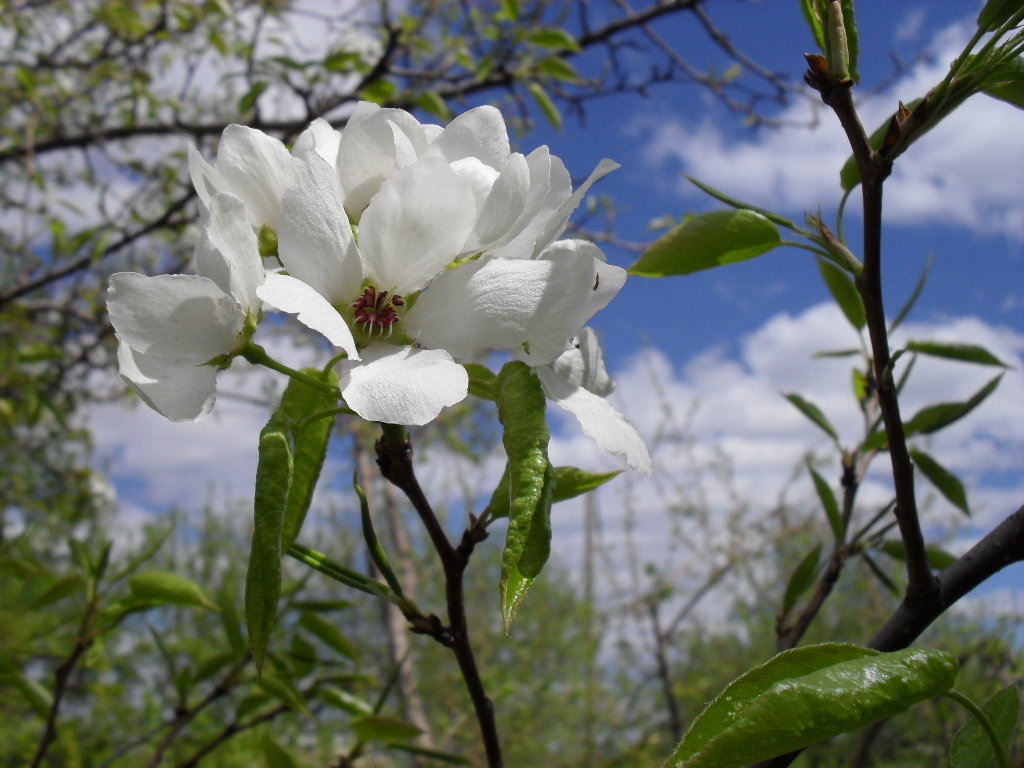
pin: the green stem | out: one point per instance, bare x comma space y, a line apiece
257, 355
984, 722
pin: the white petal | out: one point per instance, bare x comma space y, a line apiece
503, 205
228, 252
403, 385
205, 178
320, 137
314, 238
368, 155
258, 169
583, 364
293, 296
599, 420
478, 133
186, 317
555, 225
179, 391
416, 225
550, 185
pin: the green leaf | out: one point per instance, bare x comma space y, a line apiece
801, 580
310, 438
525, 437
433, 754
1006, 82
559, 69
383, 728
813, 412
329, 634
808, 694
852, 38
555, 38
379, 91
945, 482
276, 756
938, 558
935, 417
284, 690
841, 286
547, 106
431, 101
162, 587
373, 545
571, 482
815, 22
64, 587
969, 353
914, 295
344, 700
481, 381
708, 240
828, 503
263, 579
248, 101
995, 13
38, 697
971, 748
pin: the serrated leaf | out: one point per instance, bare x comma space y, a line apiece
329, 634
971, 747
935, 417
801, 579
806, 695
828, 503
547, 106
525, 436
263, 578
708, 240
938, 558
945, 482
383, 728
813, 412
161, 587
310, 439
841, 286
555, 38
969, 353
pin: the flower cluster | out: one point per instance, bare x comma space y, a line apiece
408, 246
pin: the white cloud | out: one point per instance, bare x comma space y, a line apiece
962, 173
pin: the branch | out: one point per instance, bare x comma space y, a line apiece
394, 457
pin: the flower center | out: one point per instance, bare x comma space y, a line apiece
376, 310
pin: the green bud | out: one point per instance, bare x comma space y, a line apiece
839, 51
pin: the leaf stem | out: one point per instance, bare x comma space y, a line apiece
984, 722
257, 355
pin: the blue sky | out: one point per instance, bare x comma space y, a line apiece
708, 355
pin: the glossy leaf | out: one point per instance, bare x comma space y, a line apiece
828, 503
813, 412
945, 482
969, 353
383, 728
525, 437
971, 747
708, 240
162, 587
310, 438
841, 286
808, 694
801, 579
263, 579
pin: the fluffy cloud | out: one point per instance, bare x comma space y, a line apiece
957, 174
